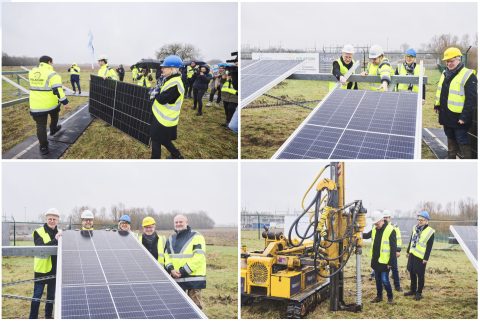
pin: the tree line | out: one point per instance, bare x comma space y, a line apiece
8, 60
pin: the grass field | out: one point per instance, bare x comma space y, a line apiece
450, 289
198, 137
219, 298
264, 130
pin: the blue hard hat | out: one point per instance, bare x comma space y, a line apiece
172, 61
411, 52
125, 218
425, 215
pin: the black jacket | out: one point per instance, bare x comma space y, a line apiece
202, 81
151, 247
415, 264
450, 119
37, 239
377, 266
336, 72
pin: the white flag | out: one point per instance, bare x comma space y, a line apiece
90, 46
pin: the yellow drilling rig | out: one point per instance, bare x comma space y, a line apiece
306, 266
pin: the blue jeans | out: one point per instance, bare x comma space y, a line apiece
37, 294
460, 134
396, 277
381, 279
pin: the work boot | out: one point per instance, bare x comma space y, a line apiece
377, 299
409, 293
55, 130
452, 148
44, 150
399, 289
199, 114
418, 296
466, 151
179, 156
390, 301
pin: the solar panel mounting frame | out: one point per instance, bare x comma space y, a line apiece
465, 248
58, 286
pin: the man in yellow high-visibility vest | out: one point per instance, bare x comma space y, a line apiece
418, 253
382, 252
455, 102
387, 215
185, 259
47, 235
379, 66
341, 66
154, 243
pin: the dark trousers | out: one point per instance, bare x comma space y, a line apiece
121, 76
75, 80
381, 280
41, 121
460, 134
212, 94
37, 294
157, 149
197, 99
417, 281
229, 110
189, 87
395, 275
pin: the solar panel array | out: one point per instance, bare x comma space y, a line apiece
353, 124
467, 237
109, 275
122, 105
258, 76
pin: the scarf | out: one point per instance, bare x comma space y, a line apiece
409, 68
449, 74
149, 239
416, 236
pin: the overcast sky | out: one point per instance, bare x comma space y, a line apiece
166, 186
306, 25
380, 185
126, 32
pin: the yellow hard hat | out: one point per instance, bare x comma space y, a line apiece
148, 221
451, 52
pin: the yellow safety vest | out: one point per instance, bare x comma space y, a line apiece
144, 82
44, 82
42, 264
107, 72
384, 245
456, 91
343, 70
168, 114
399, 236
227, 87
385, 71
134, 73
192, 260
190, 72
421, 247
160, 248
74, 70
403, 71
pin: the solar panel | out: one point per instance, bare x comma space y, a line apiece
109, 275
258, 76
122, 105
467, 237
358, 124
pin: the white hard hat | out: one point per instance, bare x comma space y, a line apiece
387, 213
375, 52
348, 48
52, 211
102, 57
377, 216
87, 214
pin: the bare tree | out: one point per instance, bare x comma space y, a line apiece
185, 51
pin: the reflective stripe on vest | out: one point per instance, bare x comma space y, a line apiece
190, 279
421, 247
384, 245
42, 264
403, 72
188, 258
343, 70
160, 248
42, 80
168, 114
456, 90
228, 88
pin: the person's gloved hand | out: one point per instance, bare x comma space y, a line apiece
383, 86
154, 92
343, 80
364, 73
